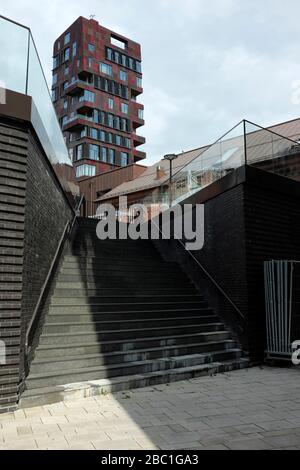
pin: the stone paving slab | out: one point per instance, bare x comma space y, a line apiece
256, 408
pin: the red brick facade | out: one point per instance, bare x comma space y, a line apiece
96, 80
94, 187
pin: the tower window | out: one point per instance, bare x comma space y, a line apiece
67, 38
105, 68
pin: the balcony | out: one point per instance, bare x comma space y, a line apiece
76, 87
138, 155
84, 106
77, 121
138, 140
137, 122
135, 90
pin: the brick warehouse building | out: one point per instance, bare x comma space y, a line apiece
96, 81
95, 186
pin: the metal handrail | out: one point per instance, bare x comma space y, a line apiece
216, 284
67, 231
77, 212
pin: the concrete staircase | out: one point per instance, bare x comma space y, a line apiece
122, 317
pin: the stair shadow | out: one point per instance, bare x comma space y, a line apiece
87, 242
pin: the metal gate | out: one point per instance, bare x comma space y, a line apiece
282, 307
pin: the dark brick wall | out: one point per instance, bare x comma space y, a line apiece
223, 257
33, 214
273, 232
250, 217
46, 214
13, 153
223, 254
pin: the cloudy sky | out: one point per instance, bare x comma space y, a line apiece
207, 64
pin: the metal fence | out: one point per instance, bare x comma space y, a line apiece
282, 307
127, 216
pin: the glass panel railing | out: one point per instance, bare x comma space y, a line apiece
13, 55
77, 81
37, 88
272, 152
213, 163
21, 71
245, 144
78, 116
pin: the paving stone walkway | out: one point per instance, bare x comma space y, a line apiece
255, 408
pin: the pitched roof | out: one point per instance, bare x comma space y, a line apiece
290, 129
148, 179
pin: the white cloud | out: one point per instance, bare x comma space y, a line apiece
192, 8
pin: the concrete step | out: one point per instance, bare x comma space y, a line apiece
116, 292
85, 307
39, 397
99, 270
61, 376
94, 347
89, 232
60, 316
126, 335
86, 297
43, 364
101, 280
87, 235
91, 325
98, 250
54, 394
96, 247
118, 264
90, 283
91, 238
112, 260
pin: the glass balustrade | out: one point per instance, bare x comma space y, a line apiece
212, 163
245, 144
272, 152
21, 71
